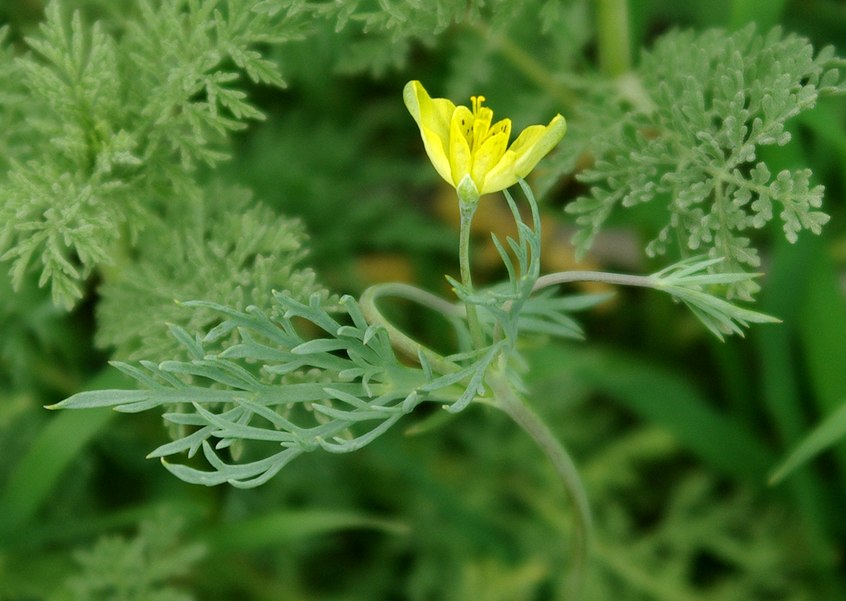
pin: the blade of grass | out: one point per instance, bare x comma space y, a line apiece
662, 397
822, 330
831, 430
56, 446
787, 278
290, 525
68, 532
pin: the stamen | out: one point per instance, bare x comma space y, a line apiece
476, 101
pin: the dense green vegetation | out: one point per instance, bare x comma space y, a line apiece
254, 161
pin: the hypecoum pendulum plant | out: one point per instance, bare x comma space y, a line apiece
263, 387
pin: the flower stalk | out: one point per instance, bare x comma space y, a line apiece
468, 200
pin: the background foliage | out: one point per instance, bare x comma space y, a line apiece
156, 151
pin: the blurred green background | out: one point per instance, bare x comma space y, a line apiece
675, 433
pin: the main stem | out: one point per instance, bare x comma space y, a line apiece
467, 210
505, 399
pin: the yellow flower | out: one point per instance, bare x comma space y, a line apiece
468, 151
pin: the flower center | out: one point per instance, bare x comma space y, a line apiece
481, 124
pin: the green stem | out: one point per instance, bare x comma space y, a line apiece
421, 297
401, 341
505, 399
467, 211
621, 279
535, 71
612, 20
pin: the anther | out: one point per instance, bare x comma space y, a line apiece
477, 103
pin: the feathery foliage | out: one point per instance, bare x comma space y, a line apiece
116, 123
227, 250
382, 33
142, 568
336, 402
13, 128
708, 103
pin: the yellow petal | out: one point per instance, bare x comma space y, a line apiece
481, 125
505, 173
487, 157
536, 144
433, 116
527, 139
502, 175
434, 145
460, 135
528, 149
502, 126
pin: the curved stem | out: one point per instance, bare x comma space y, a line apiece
467, 211
421, 297
567, 277
505, 399
401, 341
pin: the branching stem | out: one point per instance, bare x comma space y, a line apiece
621, 279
